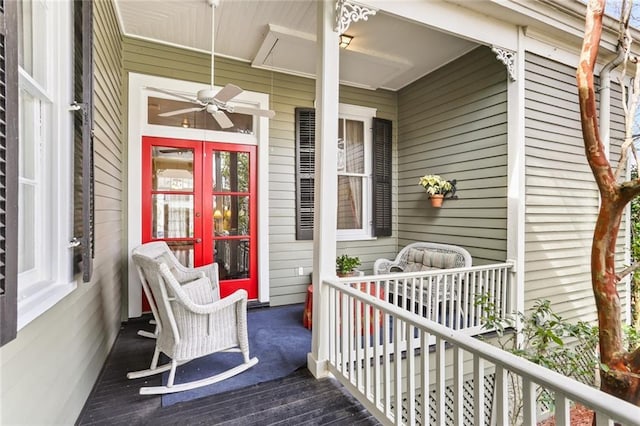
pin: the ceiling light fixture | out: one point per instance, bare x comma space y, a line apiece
185, 123
345, 40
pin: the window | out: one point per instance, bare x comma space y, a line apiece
46, 149
364, 173
354, 171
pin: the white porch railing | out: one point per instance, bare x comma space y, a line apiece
376, 351
448, 297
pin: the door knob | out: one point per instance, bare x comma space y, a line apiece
198, 240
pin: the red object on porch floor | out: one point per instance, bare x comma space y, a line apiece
308, 308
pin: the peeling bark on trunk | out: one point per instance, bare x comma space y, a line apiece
622, 378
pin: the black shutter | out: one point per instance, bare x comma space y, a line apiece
305, 169
83, 139
381, 177
8, 170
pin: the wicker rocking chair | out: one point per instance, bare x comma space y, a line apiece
191, 323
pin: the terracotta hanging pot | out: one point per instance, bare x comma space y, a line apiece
436, 200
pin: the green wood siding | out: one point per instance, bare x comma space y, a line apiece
453, 122
561, 194
49, 370
286, 92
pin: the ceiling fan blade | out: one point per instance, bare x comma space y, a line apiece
227, 93
180, 111
222, 119
253, 111
175, 95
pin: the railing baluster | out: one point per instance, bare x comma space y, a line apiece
344, 333
562, 410
440, 381
458, 390
501, 391
397, 370
492, 286
476, 310
367, 341
411, 376
389, 335
529, 405
380, 315
361, 330
424, 376
478, 391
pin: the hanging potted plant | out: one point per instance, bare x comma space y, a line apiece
436, 187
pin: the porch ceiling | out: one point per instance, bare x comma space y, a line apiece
386, 52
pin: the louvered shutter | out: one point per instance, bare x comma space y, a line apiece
382, 177
305, 169
8, 170
83, 142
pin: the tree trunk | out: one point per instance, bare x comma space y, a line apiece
621, 375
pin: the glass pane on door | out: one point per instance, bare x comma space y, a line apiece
230, 171
172, 216
230, 215
172, 169
232, 257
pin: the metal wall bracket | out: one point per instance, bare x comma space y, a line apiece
508, 58
348, 12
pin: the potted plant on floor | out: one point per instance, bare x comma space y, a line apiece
437, 187
346, 265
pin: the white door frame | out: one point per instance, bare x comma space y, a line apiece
138, 126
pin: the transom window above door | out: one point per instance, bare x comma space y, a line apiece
242, 123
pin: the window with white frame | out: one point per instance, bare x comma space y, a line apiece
354, 172
45, 150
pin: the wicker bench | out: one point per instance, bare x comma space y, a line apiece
423, 256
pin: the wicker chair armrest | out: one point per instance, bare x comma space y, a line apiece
239, 296
383, 266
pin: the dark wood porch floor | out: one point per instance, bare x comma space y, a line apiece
297, 399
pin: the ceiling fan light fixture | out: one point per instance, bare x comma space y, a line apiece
345, 40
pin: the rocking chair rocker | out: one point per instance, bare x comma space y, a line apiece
191, 323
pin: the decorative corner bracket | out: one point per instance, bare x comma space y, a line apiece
507, 57
348, 12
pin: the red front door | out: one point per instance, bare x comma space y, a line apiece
200, 197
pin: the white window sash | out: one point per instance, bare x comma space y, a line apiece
364, 115
52, 278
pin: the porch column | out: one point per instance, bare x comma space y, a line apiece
516, 175
326, 182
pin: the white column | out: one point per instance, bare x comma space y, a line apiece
516, 174
325, 201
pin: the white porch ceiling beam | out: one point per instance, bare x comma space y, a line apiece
453, 19
326, 182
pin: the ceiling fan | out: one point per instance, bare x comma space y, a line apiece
210, 100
